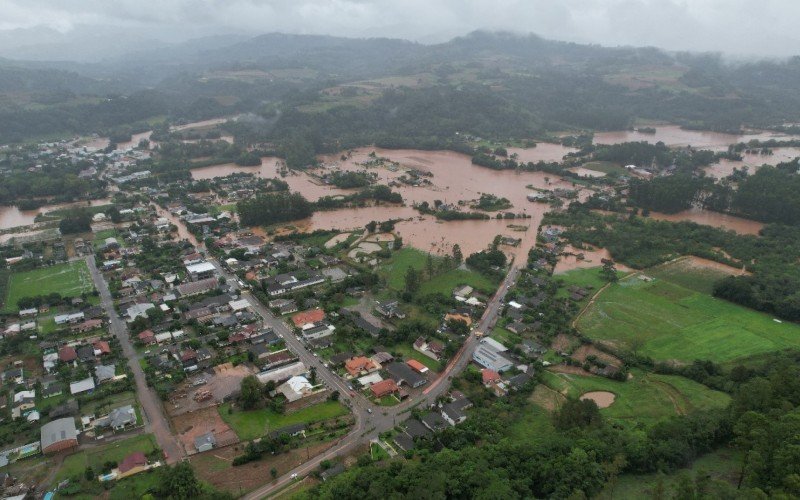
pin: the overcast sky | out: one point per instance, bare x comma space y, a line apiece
746, 27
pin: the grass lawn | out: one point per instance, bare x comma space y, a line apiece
388, 401
70, 280
102, 406
445, 283
134, 486
395, 268
667, 321
253, 424
409, 352
100, 237
723, 464
76, 463
683, 273
646, 398
505, 337
377, 452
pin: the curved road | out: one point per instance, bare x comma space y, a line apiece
371, 420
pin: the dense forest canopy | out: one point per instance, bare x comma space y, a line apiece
488, 84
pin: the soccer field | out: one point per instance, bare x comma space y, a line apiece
670, 322
70, 280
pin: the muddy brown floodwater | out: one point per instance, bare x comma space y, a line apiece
716, 219
11, 216
454, 179
752, 161
673, 135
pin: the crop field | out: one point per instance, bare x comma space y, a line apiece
70, 280
645, 398
667, 321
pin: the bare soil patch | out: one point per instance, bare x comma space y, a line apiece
583, 352
222, 381
546, 397
215, 467
191, 425
572, 370
604, 399
562, 343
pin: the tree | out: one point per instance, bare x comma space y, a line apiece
609, 271
577, 413
178, 482
313, 375
429, 266
412, 281
273, 472
371, 225
250, 394
458, 257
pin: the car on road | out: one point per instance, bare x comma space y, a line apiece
294, 475
369, 410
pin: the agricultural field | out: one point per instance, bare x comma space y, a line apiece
667, 321
645, 398
70, 280
254, 424
394, 270
693, 273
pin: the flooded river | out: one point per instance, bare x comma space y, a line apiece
673, 135
11, 216
716, 219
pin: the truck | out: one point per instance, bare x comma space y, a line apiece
478, 334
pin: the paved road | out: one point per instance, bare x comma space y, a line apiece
155, 420
383, 419
371, 420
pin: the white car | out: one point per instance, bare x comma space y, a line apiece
294, 476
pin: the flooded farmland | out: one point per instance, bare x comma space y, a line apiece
716, 219
675, 136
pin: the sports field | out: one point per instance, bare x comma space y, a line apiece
668, 321
645, 398
70, 280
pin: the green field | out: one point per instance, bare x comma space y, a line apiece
445, 283
70, 280
253, 424
76, 463
669, 322
394, 270
694, 277
588, 278
408, 351
646, 398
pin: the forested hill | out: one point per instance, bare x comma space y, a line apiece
480, 80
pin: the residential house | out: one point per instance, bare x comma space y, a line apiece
105, 373
434, 421
205, 442
384, 388
403, 374
433, 349
295, 388
361, 365
81, 386
134, 463
454, 412
118, 419
390, 309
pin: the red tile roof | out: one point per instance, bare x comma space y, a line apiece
310, 316
135, 459
102, 346
67, 353
489, 376
384, 388
147, 336
413, 363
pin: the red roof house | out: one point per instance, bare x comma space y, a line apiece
490, 376
306, 317
384, 388
102, 346
67, 354
148, 337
